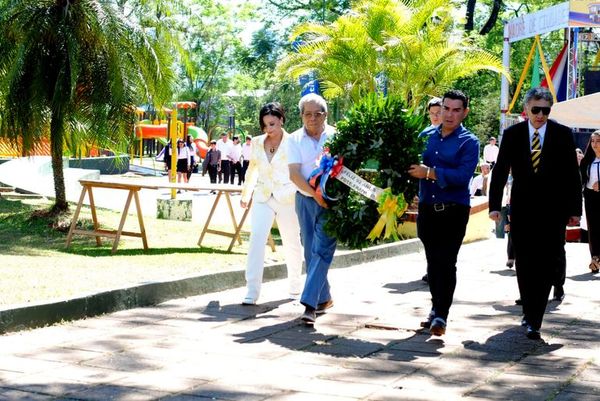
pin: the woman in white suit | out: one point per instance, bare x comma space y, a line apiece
268, 183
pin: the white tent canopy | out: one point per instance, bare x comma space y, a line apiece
581, 112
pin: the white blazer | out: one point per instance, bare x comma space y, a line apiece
266, 178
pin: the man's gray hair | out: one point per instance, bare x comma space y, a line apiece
539, 93
312, 98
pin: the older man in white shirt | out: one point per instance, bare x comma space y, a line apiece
305, 150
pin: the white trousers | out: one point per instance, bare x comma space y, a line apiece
261, 221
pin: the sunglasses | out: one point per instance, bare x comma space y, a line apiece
310, 115
536, 109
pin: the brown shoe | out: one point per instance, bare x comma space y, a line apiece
595, 265
322, 307
438, 327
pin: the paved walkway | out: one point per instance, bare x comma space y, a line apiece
366, 348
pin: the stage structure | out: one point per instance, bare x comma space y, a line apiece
570, 16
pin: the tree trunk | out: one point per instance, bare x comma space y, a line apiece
56, 151
470, 15
493, 17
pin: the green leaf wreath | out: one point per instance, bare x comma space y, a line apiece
378, 139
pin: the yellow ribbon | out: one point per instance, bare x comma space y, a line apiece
391, 208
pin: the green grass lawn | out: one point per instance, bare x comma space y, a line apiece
36, 267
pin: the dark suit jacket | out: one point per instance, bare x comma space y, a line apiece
543, 199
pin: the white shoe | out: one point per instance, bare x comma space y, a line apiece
294, 296
249, 301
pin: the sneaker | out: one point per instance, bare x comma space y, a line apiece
510, 263
427, 323
248, 301
309, 316
533, 334
438, 327
322, 307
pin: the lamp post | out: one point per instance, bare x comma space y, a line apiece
231, 109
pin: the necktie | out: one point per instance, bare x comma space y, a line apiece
536, 151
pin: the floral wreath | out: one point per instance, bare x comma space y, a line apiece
378, 140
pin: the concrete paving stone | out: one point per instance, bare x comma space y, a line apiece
409, 394
99, 346
591, 373
507, 386
328, 387
16, 395
27, 365
547, 365
105, 392
347, 320
583, 386
164, 380
299, 396
124, 361
60, 354
419, 382
42, 383
574, 396
406, 356
381, 365
377, 377
378, 334
84, 374
456, 369
424, 344
216, 391
341, 346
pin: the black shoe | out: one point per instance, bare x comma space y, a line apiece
427, 323
524, 323
438, 327
425, 278
510, 263
309, 316
559, 294
518, 301
533, 334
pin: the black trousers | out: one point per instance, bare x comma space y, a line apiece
245, 165
539, 245
224, 172
212, 173
441, 228
592, 212
236, 168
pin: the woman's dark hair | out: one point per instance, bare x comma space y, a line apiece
188, 140
270, 109
588, 157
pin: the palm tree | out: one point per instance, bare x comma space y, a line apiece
74, 69
415, 45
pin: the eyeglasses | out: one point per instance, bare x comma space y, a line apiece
317, 114
536, 109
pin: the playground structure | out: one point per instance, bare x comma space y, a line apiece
579, 19
160, 129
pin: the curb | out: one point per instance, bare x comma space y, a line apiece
40, 315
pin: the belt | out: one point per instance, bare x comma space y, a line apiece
440, 207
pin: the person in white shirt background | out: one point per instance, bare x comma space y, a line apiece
246, 155
590, 174
490, 152
194, 157
272, 192
224, 146
183, 161
235, 165
480, 183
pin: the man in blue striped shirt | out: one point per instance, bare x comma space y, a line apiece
449, 161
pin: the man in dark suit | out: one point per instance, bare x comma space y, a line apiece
545, 196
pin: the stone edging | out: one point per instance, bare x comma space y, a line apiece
39, 315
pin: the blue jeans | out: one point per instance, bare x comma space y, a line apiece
318, 250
